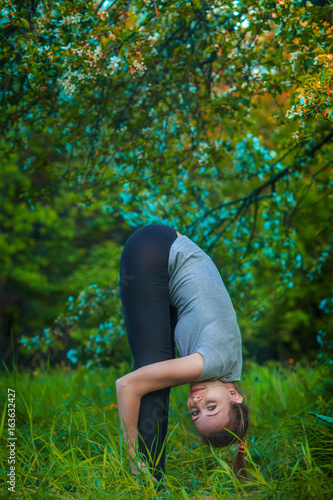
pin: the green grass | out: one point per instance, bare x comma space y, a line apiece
69, 444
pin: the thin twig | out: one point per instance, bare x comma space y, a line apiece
306, 189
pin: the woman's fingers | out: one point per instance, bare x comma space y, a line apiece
141, 466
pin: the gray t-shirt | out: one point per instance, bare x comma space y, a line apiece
207, 321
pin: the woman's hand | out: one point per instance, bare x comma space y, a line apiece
138, 466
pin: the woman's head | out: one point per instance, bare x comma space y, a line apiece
217, 407
210, 404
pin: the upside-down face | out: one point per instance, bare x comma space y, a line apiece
209, 403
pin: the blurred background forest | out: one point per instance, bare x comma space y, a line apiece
213, 117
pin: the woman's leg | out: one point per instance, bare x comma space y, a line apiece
150, 322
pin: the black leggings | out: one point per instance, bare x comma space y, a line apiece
150, 322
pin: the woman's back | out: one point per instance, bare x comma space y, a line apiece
207, 321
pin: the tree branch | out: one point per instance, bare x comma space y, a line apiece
253, 196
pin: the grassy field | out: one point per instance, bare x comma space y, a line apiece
69, 445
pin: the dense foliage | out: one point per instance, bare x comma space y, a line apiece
213, 117
48, 251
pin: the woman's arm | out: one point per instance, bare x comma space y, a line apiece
149, 378
128, 409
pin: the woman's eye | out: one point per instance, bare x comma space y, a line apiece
210, 408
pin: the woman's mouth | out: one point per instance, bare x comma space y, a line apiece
196, 390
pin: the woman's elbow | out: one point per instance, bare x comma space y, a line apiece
121, 382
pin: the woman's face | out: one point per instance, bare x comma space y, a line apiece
209, 403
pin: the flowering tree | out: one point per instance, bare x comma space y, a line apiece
214, 117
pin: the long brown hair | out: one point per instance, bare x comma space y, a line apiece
238, 424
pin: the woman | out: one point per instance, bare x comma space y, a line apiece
172, 293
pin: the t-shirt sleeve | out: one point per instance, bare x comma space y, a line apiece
215, 369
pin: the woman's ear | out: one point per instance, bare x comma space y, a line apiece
236, 397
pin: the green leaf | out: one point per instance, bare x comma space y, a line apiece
25, 23
328, 420
318, 50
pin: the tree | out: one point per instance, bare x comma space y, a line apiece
212, 117
45, 253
